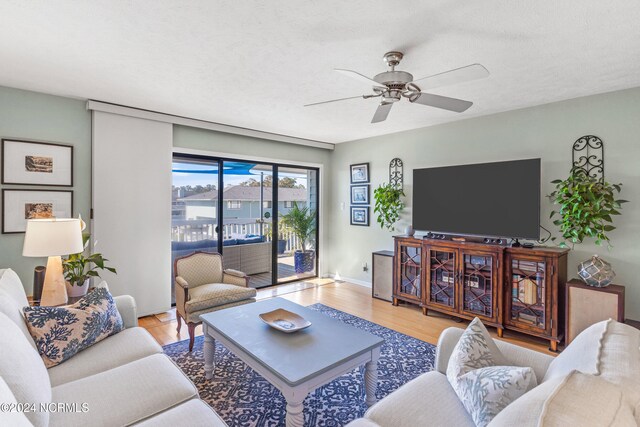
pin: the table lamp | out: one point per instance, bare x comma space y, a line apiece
52, 238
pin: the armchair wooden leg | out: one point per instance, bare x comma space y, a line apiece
192, 333
179, 319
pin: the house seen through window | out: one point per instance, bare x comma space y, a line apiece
228, 206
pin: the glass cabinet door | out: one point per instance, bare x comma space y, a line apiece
478, 285
410, 269
442, 277
528, 297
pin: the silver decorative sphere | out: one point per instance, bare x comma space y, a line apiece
596, 272
409, 231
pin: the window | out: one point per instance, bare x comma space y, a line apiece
288, 204
266, 205
234, 204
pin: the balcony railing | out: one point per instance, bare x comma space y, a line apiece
183, 230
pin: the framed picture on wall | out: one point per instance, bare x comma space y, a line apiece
360, 173
36, 163
18, 206
360, 215
360, 194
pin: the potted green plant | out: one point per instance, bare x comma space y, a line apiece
388, 205
78, 269
587, 206
302, 223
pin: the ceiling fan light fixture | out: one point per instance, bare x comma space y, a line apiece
391, 86
392, 96
394, 78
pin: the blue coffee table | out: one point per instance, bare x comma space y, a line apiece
295, 363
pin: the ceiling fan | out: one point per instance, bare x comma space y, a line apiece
391, 86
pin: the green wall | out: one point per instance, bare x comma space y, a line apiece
546, 131
212, 141
31, 115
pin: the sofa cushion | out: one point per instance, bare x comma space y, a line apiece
578, 399
215, 294
124, 395
582, 354
249, 240
23, 370
425, 401
195, 316
484, 388
129, 345
13, 299
610, 349
196, 245
61, 332
11, 284
526, 410
195, 413
584, 399
11, 417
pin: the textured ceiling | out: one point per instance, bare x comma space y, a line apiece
255, 63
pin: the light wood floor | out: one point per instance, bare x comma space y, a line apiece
286, 273
352, 299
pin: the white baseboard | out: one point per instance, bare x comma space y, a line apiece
363, 283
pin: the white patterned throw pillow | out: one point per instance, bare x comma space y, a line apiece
478, 374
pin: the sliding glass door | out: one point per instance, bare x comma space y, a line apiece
238, 207
297, 223
194, 208
247, 213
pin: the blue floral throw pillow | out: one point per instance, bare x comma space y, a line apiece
61, 332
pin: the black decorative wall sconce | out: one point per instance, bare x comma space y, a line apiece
396, 174
588, 155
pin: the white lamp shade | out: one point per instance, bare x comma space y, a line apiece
52, 237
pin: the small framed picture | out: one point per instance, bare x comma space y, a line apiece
18, 206
360, 215
360, 173
37, 163
360, 194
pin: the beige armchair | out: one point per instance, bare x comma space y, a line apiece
203, 286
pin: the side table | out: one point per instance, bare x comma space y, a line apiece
586, 305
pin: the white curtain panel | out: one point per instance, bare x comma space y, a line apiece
131, 200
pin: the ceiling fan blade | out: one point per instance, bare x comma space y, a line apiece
444, 102
459, 75
360, 77
333, 100
382, 112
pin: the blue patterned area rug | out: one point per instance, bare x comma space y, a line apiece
244, 398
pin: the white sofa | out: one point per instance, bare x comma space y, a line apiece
608, 349
123, 380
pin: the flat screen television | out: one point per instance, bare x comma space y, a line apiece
499, 199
